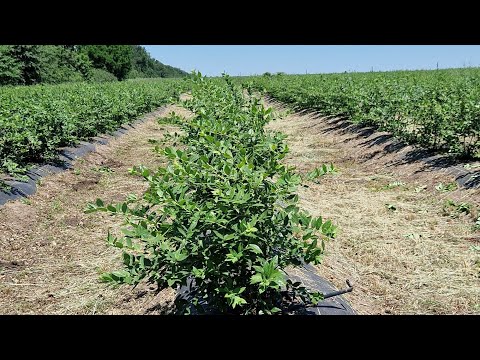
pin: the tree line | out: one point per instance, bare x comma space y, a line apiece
53, 64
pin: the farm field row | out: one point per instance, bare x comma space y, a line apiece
439, 109
408, 237
36, 120
223, 212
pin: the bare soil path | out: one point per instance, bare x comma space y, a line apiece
405, 250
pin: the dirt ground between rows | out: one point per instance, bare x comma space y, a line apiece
51, 253
404, 251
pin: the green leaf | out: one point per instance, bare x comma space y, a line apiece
255, 248
120, 274
106, 277
237, 300
256, 278
218, 234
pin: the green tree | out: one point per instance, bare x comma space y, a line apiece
59, 63
28, 56
10, 67
143, 65
112, 58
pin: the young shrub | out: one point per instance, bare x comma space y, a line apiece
223, 214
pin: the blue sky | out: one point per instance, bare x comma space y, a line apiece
212, 60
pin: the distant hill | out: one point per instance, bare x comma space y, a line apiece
144, 66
